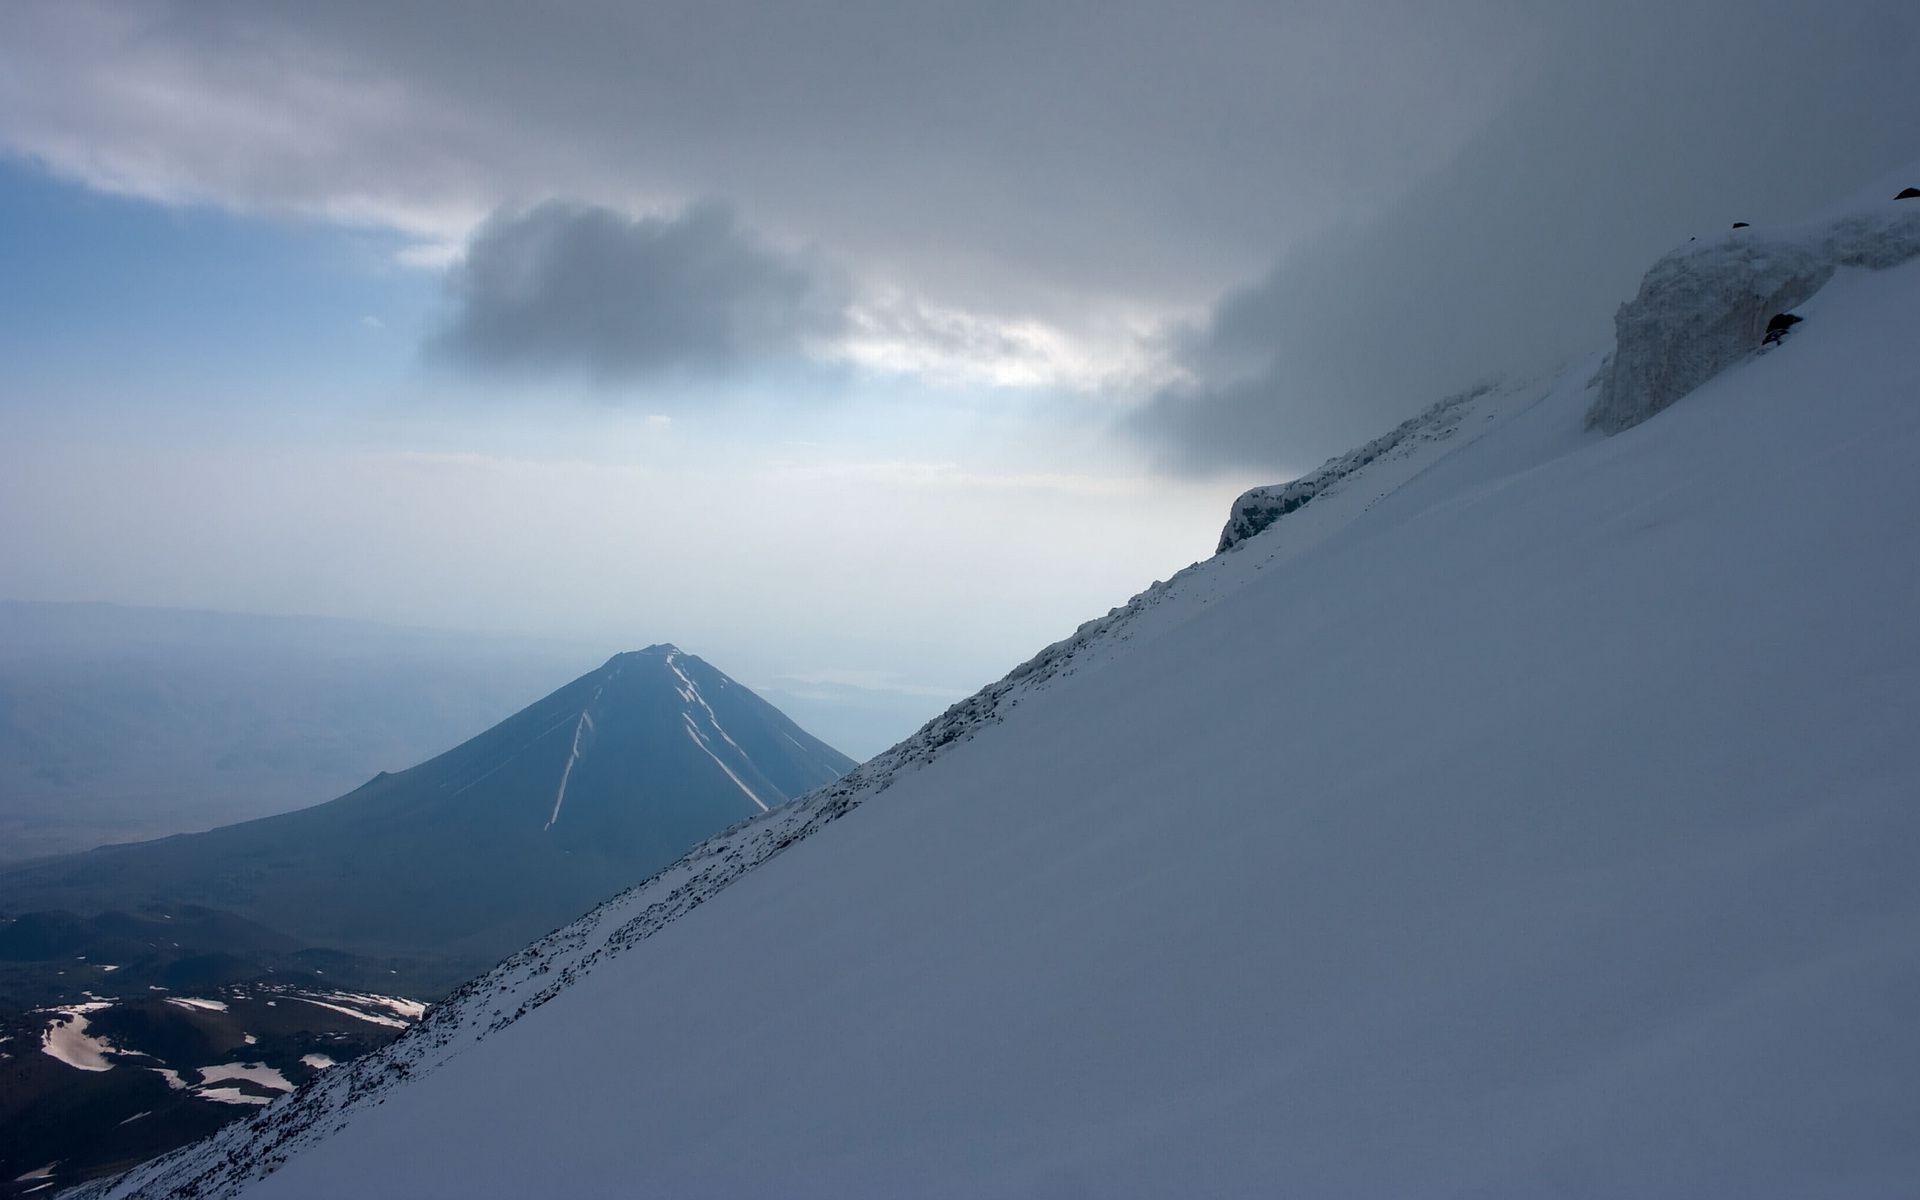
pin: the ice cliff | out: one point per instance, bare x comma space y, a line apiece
1705, 306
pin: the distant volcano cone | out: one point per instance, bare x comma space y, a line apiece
469, 854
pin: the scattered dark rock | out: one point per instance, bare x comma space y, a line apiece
1740, 225
1777, 327
1908, 194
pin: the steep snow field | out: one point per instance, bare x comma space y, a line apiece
1531, 814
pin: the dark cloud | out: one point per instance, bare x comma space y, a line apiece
1646, 123
575, 287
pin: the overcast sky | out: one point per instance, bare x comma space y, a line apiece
865, 346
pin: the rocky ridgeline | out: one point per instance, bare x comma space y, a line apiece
1258, 508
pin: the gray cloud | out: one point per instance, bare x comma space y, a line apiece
1447, 190
993, 155
1646, 123
575, 287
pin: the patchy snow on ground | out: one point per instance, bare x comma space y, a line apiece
230, 1095
192, 1002
318, 1062
66, 1038
398, 1005
260, 1073
359, 1013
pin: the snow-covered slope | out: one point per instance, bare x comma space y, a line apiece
1539, 821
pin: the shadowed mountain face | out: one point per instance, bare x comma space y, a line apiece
468, 855
126, 724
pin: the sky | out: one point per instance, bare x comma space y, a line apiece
862, 348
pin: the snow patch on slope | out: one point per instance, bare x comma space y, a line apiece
690, 693
255, 1073
262, 1076
191, 1002
67, 1039
581, 728
359, 1014
700, 741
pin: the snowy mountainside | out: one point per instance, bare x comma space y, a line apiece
1536, 824
529, 979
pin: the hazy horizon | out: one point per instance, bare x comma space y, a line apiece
869, 349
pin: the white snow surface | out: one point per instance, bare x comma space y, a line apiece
371, 1018
400, 1005
195, 1002
1543, 827
260, 1073
690, 693
581, 728
233, 1095
66, 1038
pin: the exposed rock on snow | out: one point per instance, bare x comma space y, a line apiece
1778, 328
1706, 306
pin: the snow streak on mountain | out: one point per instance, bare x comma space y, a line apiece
1527, 812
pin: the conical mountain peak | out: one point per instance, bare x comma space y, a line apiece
577, 796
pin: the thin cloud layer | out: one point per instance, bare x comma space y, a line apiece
579, 288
